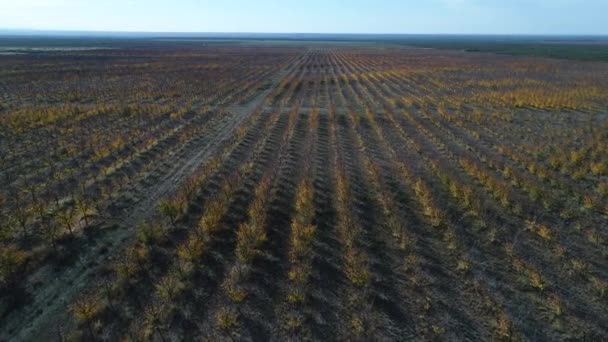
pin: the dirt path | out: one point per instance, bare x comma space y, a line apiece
52, 290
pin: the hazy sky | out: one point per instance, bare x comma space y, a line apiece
311, 16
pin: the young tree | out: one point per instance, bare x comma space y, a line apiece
169, 209
154, 315
12, 260
85, 310
66, 217
21, 212
5, 231
50, 232
84, 207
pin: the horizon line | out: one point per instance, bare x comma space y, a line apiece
143, 32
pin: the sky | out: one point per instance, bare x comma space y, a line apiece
311, 16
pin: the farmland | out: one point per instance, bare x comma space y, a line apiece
173, 190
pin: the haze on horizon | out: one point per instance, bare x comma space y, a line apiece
314, 16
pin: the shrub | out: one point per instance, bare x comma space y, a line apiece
463, 266
169, 287
296, 295
600, 286
431, 211
301, 240
226, 318
151, 233
356, 268
231, 285
249, 238
537, 281
541, 230
192, 249
12, 262
154, 314
210, 221
294, 321
300, 273
555, 304
504, 327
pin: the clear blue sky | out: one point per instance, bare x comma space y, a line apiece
311, 16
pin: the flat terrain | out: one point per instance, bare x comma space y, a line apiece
188, 190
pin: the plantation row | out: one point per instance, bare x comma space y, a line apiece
371, 194
76, 167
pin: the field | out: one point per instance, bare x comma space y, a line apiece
299, 190
591, 49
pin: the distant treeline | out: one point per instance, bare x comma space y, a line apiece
584, 48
